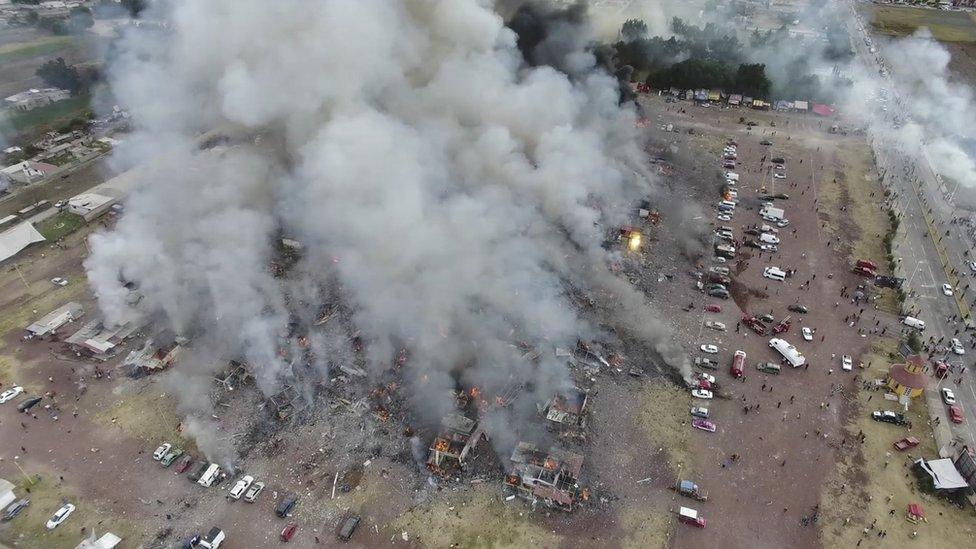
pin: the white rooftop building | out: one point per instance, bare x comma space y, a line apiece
69, 312
90, 205
34, 98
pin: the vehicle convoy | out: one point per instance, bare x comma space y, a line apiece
690, 489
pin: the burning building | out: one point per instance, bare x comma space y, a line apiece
549, 477
457, 437
566, 410
156, 355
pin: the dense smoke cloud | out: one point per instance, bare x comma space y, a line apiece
446, 193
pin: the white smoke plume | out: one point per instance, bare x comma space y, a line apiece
445, 192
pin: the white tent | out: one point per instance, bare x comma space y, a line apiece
944, 474
18, 238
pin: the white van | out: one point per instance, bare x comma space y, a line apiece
914, 323
731, 176
209, 476
774, 273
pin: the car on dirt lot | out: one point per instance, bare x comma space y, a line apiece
766, 142
183, 464
58, 281
197, 470
782, 223
955, 414
779, 175
781, 196
719, 270
723, 217
348, 527
947, 289
704, 425
713, 308
972, 266
769, 248
948, 396
60, 516
846, 363
161, 451
905, 443
253, 492
28, 403
15, 508
707, 377
242, 485
797, 308
701, 393
720, 293
286, 504
288, 531
708, 348
699, 411
887, 416
706, 363
769, 367
807, 334
956, 346
10, 394
715, 325
170, 457
60, 204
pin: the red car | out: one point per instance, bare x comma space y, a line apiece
905, 444
713, 308
183, 464
288, 531
955, 414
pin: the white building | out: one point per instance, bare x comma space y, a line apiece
34, 98
26, 172
90, 205
69, 312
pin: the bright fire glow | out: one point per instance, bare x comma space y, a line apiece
635, 241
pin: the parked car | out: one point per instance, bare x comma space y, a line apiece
846, 363
779, 175
699, 411
767, 318
28, 403
766, 142
947, 289
183, 464
348, 527
972, 266
60, 204
769, 367
720, 293
213, 539
161, 451
723, 217
955, 414
948, 396
197, 470
701, 393
956, 346
708, 363
253, 492
60, 516
807, 333
706, 377
713, 308
708, 348
905, 443
715, 325
704, 425
782, 223
288, 531
15, 508
242, 485
887, 416
286, 504
797, 308
11, 394
170, 457
58, 281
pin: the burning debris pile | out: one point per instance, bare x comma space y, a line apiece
439, 194
550, 478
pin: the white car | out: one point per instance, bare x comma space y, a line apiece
699, 411
769, 247
846, 363
60, 516
782, 223
779, 167
702, 394
162, 451
706, 377
807, 334
778, 175
709, 349
957, 346
60, 204
253, 492
769, 238
715, 325
242, 485
10, 394
948, 396
723, 217
58, 281
972, 266
724, 234
947, 289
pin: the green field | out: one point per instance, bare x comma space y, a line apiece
946, 26
35, 48
60, 225
51, 116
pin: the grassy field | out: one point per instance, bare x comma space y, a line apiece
947, 26
60, 225
663, 417
51, 116
874, 479
143, 413
35, 48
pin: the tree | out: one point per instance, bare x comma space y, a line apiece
633, 29
58, 74
751, 80
914, 342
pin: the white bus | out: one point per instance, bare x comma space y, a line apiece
789, 352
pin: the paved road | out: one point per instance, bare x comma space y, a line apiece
931, 252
